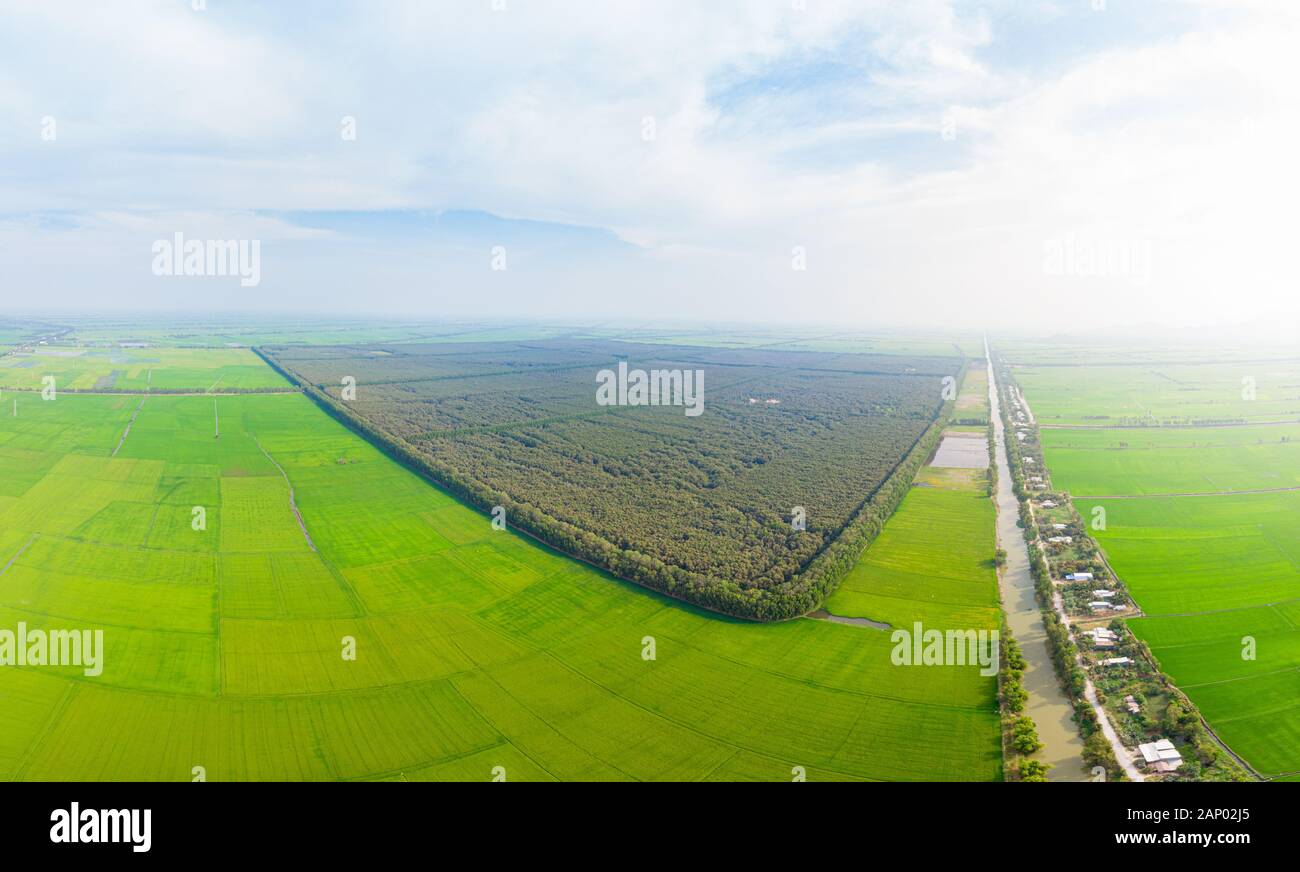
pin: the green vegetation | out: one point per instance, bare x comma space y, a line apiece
704, 508
156, 370
1215, 572
972, 408
934, 560
1163, 395
475, 648
1104, 462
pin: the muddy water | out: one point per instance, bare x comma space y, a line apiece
823, 615
1048, 704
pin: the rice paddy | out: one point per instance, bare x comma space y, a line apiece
76, 368
1194, 469
933, 561
474, 651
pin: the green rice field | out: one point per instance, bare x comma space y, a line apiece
1163, 394
477, 651
933, 561
1202, 521
77, 368
1184, 460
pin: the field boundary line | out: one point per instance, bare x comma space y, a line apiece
56, 715
1180, 427
532, 649
127, 431
523, 705
357, 603
1285, 602
696, 730
425, 764
1281, 671
505, 739
21, 552
141, 629
1263, 490
78, 392
293, 505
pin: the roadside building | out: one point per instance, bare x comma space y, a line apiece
1102, 637
1160, 755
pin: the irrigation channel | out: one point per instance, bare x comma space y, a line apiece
1048, 704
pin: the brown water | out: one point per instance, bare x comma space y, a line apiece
1048, 705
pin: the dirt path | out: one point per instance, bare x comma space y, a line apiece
293, 505
21, 552
127, 431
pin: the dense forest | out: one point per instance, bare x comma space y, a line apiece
755, 507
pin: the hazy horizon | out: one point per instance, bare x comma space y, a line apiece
1038, 166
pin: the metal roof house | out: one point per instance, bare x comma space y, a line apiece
1161, 755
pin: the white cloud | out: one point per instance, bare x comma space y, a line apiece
1182, 139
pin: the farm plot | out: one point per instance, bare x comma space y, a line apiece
226, 642
973, 401
1101, 462
1215, 571
1170, 394
933, 561
137, 369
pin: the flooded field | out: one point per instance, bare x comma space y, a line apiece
962, 451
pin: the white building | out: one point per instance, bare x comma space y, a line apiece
1102, 637
1161, 755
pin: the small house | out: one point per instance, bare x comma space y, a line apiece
1160, 755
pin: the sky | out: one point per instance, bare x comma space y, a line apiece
1041, 164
